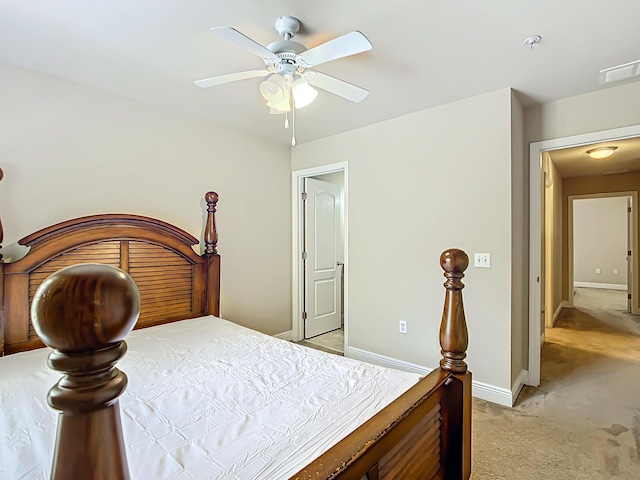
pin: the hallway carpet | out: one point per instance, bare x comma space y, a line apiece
583, 422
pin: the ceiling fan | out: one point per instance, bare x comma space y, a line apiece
288, 66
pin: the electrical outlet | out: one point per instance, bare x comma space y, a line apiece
403, 326
615, 272
597, 270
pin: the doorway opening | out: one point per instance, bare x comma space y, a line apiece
546, 261
320, 279
601, 231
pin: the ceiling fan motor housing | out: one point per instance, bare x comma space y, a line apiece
286, 46
287, 52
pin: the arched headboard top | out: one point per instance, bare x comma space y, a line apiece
71, 234
111, 220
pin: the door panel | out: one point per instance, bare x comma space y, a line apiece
322, 275
325, 295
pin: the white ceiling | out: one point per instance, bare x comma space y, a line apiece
425, 53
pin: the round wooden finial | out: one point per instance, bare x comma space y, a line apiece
85, 307
454, 260
211, 197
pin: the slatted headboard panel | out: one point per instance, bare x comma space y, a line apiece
103, 252
165, 281
174, 282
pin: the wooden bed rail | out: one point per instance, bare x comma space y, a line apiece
85, 311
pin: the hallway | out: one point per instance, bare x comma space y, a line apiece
583, 422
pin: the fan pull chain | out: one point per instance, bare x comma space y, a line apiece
293, 126
286, 119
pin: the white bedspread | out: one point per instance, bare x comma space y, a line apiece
206, 399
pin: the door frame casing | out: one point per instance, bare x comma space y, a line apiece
535, 227
297, 273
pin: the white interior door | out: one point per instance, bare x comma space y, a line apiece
322, 272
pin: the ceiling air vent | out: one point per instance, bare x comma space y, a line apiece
617, 172
620, 73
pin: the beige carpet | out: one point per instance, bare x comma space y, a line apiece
583, 422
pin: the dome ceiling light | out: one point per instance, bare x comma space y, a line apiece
601, 152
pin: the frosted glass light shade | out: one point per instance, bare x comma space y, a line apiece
283, 105
273, 89
601, 152
280, 107
303, 93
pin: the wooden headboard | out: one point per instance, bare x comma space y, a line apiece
174, 281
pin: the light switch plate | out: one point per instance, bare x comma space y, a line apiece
482, 260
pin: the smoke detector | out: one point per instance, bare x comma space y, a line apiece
532, 40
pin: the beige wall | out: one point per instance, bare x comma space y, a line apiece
519, 245
418, 185
552, 187
69, 151
600, 240
629, 182
604, 109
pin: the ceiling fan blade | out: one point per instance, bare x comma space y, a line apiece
338, 87
240, 39
231, 77
349, 44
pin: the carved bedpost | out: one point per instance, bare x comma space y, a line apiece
210, 232
1, 286
211, 252
84, 312
454, 338
457, 404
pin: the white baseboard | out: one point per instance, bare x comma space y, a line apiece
520, 382
608, 286
288, 335
491, 393
556, 314
385, 361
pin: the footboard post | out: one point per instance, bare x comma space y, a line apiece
456, 406
83, 312
211, 252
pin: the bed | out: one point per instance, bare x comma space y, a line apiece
83, 286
